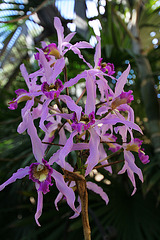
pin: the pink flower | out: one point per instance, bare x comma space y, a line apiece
106, 67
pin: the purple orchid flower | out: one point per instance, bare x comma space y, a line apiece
53, 52
22, 94
41, 173
106, 67
129, 165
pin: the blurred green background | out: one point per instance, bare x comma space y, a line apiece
130, 32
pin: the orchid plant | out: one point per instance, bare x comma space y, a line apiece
92, 130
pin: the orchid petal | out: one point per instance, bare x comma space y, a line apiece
95, 188
74, 81
131, 168
47, 69
25, 75
102, 156
60, 32
72, 105
37, 147
21, 173
121, 81
129, 157
55, 158
64, 189
69, 37
58, 67
91, 94
83, 44
118, 120
39, 206
76, 214
66, 149
78, 52
94, 151
58, 198
97, 54
44, 115
62, 137
80, 146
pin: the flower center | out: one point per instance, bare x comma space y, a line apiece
85, 119
40, 172
53, 90
132, 147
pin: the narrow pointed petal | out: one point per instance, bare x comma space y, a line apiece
64, 189
58, 67
55, 158
21, 173
121, 82
62, 137
102, 156
58, 198
129, 157
44, 115
97, 55
83, 44
74, 81
78, 52
94, 151
72, 105
91, 94
25, 75
95, 188
131, 168
80, 146
60, 32
37, 147
66, 149
46, 66
69, 37
25, 111
76, 214
130, 175
39, 207
113, 121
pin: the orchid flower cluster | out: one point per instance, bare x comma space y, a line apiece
91, 129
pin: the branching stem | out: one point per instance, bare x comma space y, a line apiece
112, 155
81, 96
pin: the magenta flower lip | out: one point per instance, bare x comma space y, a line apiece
52, 91
106, 67
85, 122
41, 174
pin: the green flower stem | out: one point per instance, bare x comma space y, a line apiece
109, 164
112, 155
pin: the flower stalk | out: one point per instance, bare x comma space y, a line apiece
82, 191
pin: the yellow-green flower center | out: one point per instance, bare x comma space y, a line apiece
40, 172
132, 147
